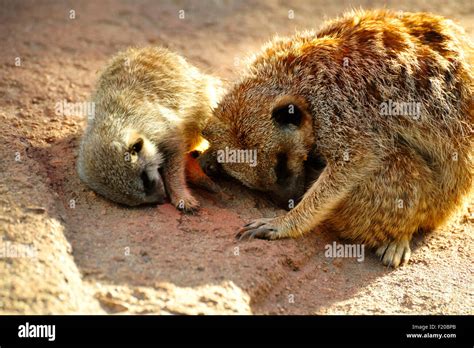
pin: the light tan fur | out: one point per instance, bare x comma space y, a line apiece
150, 107
385, 176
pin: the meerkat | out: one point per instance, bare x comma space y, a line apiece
344, 96
150, 108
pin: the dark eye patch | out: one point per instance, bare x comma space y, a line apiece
281, 169
138, 145
287, 114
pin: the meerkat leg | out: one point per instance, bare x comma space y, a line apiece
332, 185
383, 208
385, 218
175, 182
399, 197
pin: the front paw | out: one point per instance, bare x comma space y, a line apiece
395, 253
265, 228
187, 204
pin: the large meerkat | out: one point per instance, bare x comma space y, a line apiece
384, 100
150, 107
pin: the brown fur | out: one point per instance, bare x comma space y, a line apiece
150, 107
386, 176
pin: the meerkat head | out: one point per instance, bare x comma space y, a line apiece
261, 137
122, 167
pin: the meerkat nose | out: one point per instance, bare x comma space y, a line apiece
153, 187
157, 194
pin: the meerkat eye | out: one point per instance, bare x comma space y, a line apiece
137, 147
287, 114
281, 169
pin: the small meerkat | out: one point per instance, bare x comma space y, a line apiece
150, 107
384, 100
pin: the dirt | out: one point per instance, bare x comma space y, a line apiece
94, 256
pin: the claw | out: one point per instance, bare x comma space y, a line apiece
261, 233
244, 235
381, 251
395, 253
256, 229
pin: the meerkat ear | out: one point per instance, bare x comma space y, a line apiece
289, 110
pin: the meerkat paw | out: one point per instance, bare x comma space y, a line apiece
187, 204
265, 228
395, 253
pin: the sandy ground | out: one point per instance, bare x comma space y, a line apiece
88, 255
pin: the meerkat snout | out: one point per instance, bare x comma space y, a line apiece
153, 186
279, 168
149, 160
